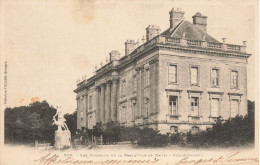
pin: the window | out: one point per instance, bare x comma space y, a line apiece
173, 105
123, 88
90, 102
214, 107
146, 107
147, 76
208, 128
123, 114
90, 121
133, 109
194, 75
215, 77
195, 130
234, 108
194, 106
174, 129
172, 74
134, 83
234, 79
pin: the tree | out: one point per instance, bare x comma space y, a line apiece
71, 121
25, 124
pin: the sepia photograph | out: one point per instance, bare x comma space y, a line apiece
129, 82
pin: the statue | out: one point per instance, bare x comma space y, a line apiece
60, 122
62, 135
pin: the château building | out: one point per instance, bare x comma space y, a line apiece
178, 80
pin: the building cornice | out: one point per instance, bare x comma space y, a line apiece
206, 51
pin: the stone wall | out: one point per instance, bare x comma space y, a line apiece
204, 91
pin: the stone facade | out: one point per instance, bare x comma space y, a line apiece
179, 80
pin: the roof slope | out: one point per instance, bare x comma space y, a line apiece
192, 32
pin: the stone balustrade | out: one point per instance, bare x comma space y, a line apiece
192, 43
172, 40
214, 45
233, 47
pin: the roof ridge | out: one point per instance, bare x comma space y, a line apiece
192, 31
176, 28
203, 31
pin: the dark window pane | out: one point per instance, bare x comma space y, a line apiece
171, 98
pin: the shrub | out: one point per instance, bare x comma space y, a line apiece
129, 134
232, 132
175, 138
152, 138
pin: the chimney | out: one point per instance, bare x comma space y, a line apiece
152, 31
114, 55
200, 21
176, 16
130, 46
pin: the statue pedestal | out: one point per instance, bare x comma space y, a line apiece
62, 139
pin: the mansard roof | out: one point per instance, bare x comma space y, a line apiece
191, 31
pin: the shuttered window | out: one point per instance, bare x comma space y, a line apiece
234, 108
194, 75
214, 107
172, 74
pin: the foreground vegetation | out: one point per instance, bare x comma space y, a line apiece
237, 131
26, 124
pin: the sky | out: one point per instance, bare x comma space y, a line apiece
49, 44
